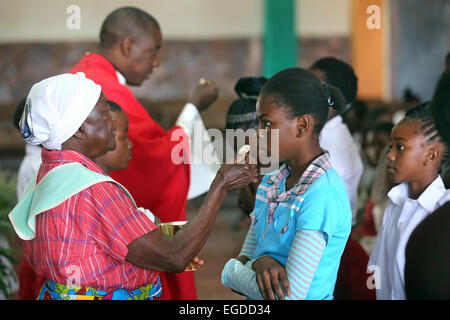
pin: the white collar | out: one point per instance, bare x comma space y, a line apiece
121, 78
428, 199
335, 121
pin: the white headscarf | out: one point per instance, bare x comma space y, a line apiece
56, 108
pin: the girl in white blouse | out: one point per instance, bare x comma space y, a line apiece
415, 156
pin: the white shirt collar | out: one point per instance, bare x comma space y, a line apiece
428, 199
121, 78
335, 121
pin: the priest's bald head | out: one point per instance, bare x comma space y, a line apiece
131, 39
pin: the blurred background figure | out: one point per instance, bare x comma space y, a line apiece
356, 118
335, 135
376, 140
242, 115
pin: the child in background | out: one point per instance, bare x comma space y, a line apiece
335, 135
242, 115
352, 278
415, 156
427, 253
121, 155
302, 217
376, 140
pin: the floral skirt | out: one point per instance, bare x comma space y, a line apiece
57, 291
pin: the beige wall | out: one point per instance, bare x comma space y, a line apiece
45, 20
323, 18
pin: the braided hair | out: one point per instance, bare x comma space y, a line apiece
242, 112
422, 112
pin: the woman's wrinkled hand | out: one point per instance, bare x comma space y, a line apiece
235, 176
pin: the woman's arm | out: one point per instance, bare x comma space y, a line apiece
155, 251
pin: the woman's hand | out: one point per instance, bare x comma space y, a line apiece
235, 176
271, 278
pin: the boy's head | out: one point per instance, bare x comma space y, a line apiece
416, 149
121, 155
339, 74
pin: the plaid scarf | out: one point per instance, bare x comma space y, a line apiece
317, 167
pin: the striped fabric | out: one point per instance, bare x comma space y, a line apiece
249, 243
85, 238
275, 197
241, 278
302, 263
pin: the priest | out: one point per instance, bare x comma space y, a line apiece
128, 52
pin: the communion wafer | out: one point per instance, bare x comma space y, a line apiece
244, 149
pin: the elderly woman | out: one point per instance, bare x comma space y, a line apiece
81, 228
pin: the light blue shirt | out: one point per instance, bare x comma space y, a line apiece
324, 207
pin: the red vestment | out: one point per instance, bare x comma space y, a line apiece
153, 179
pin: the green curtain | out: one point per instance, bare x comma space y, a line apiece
280, 41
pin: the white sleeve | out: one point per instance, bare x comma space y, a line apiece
204, 165
187, 118
241, 278
148, 213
